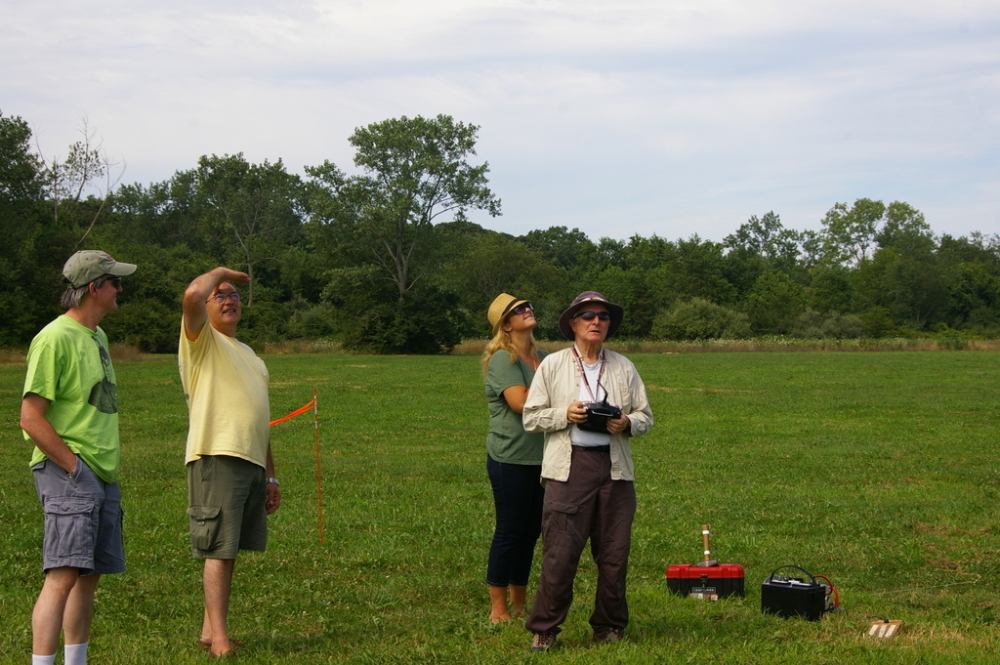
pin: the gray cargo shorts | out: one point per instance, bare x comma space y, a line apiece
83, 519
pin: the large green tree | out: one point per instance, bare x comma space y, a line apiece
379, 226
563, 247
483, 265
258, 207
20, 168
774, 302
972, 269
416, 172
35, 246
849, 234
767, 238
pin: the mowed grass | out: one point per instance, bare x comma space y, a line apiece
878, 470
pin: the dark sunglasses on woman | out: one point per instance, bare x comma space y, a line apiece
520, 309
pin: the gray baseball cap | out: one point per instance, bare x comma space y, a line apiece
87, 265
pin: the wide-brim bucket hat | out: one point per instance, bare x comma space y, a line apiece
616, 312
500, 308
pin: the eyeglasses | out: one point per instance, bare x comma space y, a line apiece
590, 314
522, 308
223, 297
101, 281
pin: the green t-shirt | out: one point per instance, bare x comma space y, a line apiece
69, 365
507, 441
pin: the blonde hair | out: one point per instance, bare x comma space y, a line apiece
502, 341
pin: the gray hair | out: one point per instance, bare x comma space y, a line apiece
73, 298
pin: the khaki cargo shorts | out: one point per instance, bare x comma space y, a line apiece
226, 504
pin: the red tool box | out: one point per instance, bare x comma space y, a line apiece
708, 579
711, 582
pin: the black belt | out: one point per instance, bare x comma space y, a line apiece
594, 449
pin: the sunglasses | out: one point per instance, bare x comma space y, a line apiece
101, 281
589, 315
522, 308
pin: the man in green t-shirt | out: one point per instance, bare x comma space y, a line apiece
69, 411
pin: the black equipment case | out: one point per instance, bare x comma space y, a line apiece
794, 596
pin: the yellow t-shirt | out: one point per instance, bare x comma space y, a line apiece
225, 385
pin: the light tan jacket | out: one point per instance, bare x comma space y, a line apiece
557, 385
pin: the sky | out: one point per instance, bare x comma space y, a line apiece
616, 117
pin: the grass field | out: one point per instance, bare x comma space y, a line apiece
878, 470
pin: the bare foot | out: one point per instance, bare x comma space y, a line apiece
207, 644
499, 613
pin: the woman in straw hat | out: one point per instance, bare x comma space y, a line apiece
514, 457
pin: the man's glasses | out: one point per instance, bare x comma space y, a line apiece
590, 314
223, 297
522, 308
101, 281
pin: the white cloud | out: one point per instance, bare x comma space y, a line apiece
671, 116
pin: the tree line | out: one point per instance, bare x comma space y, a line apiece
388, 261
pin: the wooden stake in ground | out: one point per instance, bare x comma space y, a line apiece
709, 562
319, 473
314, 405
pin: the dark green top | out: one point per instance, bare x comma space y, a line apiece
507, 441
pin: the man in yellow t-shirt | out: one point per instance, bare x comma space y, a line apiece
231, 483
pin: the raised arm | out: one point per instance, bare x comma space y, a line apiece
198, 292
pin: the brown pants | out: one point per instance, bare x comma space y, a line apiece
587, 505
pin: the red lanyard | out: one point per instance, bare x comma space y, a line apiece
583, 374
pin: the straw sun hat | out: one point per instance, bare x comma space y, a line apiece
502, 305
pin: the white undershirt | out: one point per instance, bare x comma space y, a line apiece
577, 436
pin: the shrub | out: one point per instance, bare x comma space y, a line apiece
832, 325
700, 319
313, 322
877, 322
426, 321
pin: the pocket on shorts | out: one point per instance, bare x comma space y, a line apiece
69, 525
205, 525
77, 472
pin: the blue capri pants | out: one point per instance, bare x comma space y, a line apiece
518, 497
